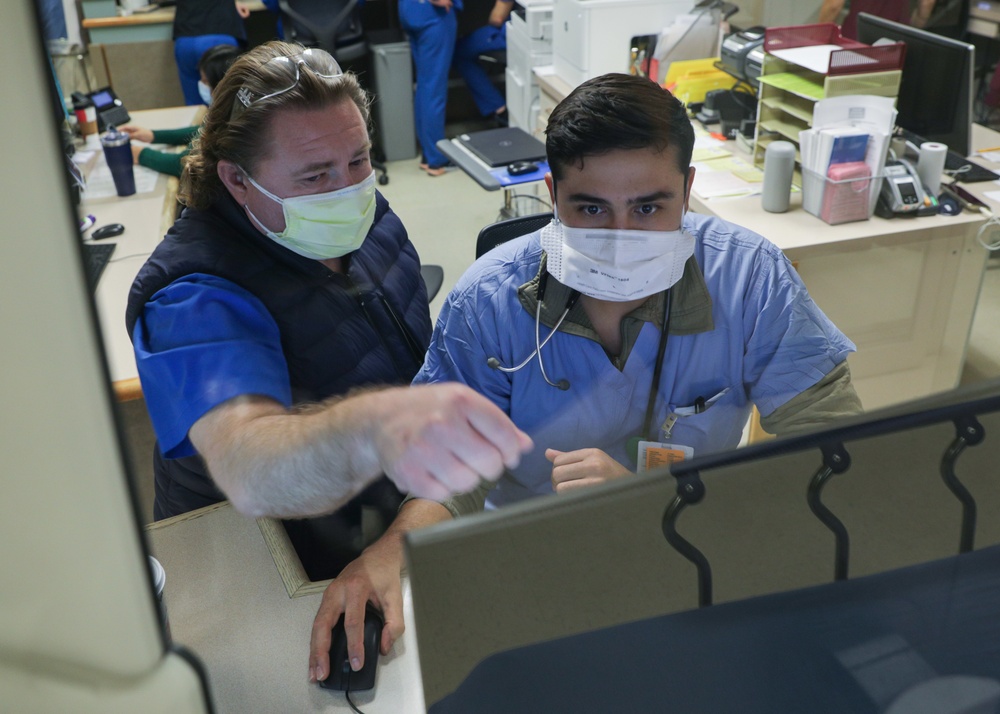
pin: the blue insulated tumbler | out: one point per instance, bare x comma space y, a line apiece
118, 154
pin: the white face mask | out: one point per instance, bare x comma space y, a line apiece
616, 265
324, 225
205, 92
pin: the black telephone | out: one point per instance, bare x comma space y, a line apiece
110, 109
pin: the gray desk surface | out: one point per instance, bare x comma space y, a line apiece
146, 217
226, 602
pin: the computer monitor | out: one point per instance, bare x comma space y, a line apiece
560, 565
935, 95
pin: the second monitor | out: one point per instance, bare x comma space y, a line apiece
936, 91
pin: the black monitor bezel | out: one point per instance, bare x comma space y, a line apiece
958, 138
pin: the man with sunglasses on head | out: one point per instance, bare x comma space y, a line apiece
625, 328
287, 282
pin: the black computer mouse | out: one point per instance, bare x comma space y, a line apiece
521, 167
342, 678
109, 231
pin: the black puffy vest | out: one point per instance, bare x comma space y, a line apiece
338, 331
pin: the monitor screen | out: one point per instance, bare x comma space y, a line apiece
102, 98
935, 95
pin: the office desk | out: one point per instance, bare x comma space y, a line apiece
137, 27
904, 290
226, 602
146, 217
489, 177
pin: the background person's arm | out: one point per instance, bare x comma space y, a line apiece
500, 12
922, 13
829, 11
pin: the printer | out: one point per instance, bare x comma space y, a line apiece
593, 37
736, 50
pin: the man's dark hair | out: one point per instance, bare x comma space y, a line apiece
215, 61
616, 111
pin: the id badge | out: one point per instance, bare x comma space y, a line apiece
657, 454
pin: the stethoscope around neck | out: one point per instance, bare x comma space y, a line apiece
563, 384
574, 295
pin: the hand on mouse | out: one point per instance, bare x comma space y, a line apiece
583, 467
372, 577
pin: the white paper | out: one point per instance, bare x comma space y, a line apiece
989, 155
100, 184
817, 57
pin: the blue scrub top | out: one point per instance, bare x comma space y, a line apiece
769, 343
201, 341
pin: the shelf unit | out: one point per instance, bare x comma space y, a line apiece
788, 92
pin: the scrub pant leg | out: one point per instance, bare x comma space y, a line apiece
431, 31
467, 50
188, 52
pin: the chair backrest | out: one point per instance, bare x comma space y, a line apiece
497, 233
332, 25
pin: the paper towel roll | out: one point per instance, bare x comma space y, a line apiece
931, 165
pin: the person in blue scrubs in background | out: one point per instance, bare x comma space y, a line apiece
431, 26
627, 323
492, 37
287, 282
198, 26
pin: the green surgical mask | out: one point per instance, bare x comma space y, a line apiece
324, 225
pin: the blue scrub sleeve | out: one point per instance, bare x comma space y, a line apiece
792, 345
201, 341
463, 340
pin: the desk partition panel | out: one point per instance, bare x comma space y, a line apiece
561, 565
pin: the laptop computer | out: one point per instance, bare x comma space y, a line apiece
500, 147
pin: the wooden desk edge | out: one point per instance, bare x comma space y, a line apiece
130, 389
157, 17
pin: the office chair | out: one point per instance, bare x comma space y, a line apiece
334, 26
498, 233
433, 276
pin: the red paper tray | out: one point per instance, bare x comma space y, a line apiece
855, 57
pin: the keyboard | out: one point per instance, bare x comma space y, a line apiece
961, 169
96, 257
955, 165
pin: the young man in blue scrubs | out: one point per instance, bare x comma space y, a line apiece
659, 329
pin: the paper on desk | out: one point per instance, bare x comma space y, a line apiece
101, 185
82, 158
707, 146
989, 155
992, 195
706, 153
726, 176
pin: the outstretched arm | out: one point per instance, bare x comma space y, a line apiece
431, 441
